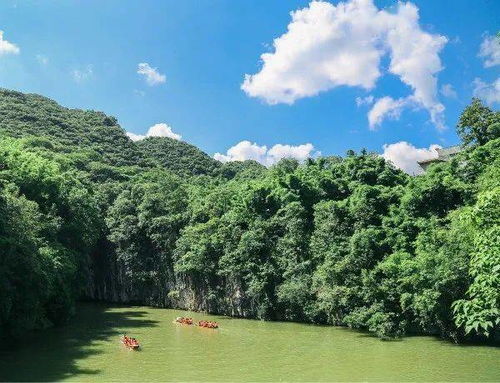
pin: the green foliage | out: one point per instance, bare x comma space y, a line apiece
349, 241
49, 222
179, 157
480, 310
87, 136
144, 223
249, 169
68, 130
478, 124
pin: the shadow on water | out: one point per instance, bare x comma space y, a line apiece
53, 354
448, 342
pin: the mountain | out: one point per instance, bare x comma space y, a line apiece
178, 156
86, 212
96, 134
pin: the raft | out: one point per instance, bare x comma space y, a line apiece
183, 320
130, 342
208, 324
201, 323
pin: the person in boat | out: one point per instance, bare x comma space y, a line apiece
130, 341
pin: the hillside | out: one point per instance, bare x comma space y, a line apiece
180, 157
348, 241
97, 135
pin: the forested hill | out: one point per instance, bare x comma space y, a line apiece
96, 136
179, 157
87, 213
24, 115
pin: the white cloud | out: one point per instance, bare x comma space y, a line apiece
42, 59
7, 47
490, 93
152, 76
80, 75
157, 130
490, 51
385, 107
327, 46
242, 151
162, 130
405, 156
246, 150
135, 137
447, 90
368, 100
299, 152
415, 58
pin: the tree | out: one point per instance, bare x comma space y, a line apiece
478, 124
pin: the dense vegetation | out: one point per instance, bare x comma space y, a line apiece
179, 157
85, 212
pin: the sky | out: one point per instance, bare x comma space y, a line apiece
263, 79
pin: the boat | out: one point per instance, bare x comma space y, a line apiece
201, 323
208, 324
130, 343
184, 320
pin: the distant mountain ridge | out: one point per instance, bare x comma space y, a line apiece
178, 156
23, 115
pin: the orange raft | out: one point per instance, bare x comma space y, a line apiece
208, 324
183, 320
131, 343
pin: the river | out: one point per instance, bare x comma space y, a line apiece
88, 349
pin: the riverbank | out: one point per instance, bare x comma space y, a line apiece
89, 349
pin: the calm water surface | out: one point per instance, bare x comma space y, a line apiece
241, 350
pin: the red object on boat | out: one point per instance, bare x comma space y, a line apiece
208, 324
183, 320
131, 343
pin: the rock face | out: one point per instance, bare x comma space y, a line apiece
108, 282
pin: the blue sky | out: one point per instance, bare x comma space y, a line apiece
85, 54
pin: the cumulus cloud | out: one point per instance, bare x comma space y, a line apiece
157, 130
447, 90
490, 51
246, 150
80, 75
135, 137
327, 46
405, 156
415, 58
152, 76
7, 47
299, 152
490, 93
383, 108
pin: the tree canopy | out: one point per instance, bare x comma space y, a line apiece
353, 241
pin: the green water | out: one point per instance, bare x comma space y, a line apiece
241, 350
